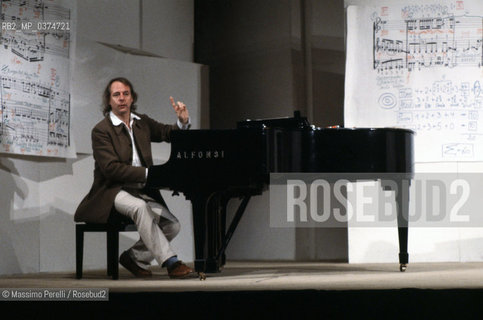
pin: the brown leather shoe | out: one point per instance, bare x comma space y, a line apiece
128, 263
179, 270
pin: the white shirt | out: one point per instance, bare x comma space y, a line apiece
136, 161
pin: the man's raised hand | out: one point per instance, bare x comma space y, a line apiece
180, 109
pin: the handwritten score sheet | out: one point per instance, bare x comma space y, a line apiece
34, 78
418, 65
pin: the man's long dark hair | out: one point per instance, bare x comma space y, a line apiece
106, 107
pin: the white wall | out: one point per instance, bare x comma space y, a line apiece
165, 28
38, 196
19, 224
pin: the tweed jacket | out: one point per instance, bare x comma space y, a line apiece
112, 151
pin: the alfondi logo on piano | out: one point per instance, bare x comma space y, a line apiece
335, 200
201, 154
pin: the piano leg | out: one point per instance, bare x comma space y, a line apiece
211, 236
222, 230
207, 226
402, 202
231, 229
199, 229
216, 231
401, 188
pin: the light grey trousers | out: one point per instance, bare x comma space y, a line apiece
156, 225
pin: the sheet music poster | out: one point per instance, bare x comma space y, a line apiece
34, 83
418, 65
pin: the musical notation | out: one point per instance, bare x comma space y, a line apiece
46, 117
30, 87
34, 79
425, 74
416, 44
32, 44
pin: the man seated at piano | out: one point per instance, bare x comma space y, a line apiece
121, 145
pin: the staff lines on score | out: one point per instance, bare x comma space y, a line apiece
423, 43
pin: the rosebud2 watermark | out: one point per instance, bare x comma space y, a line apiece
372, 200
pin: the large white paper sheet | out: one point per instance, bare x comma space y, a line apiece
34, 83
418, 65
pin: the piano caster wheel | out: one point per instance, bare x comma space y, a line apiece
202, 276
403, 267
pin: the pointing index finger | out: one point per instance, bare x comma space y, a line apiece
172, 102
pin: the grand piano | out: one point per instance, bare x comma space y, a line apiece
210, 167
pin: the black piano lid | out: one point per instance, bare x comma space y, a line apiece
283, 122
387, 129
297, 121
